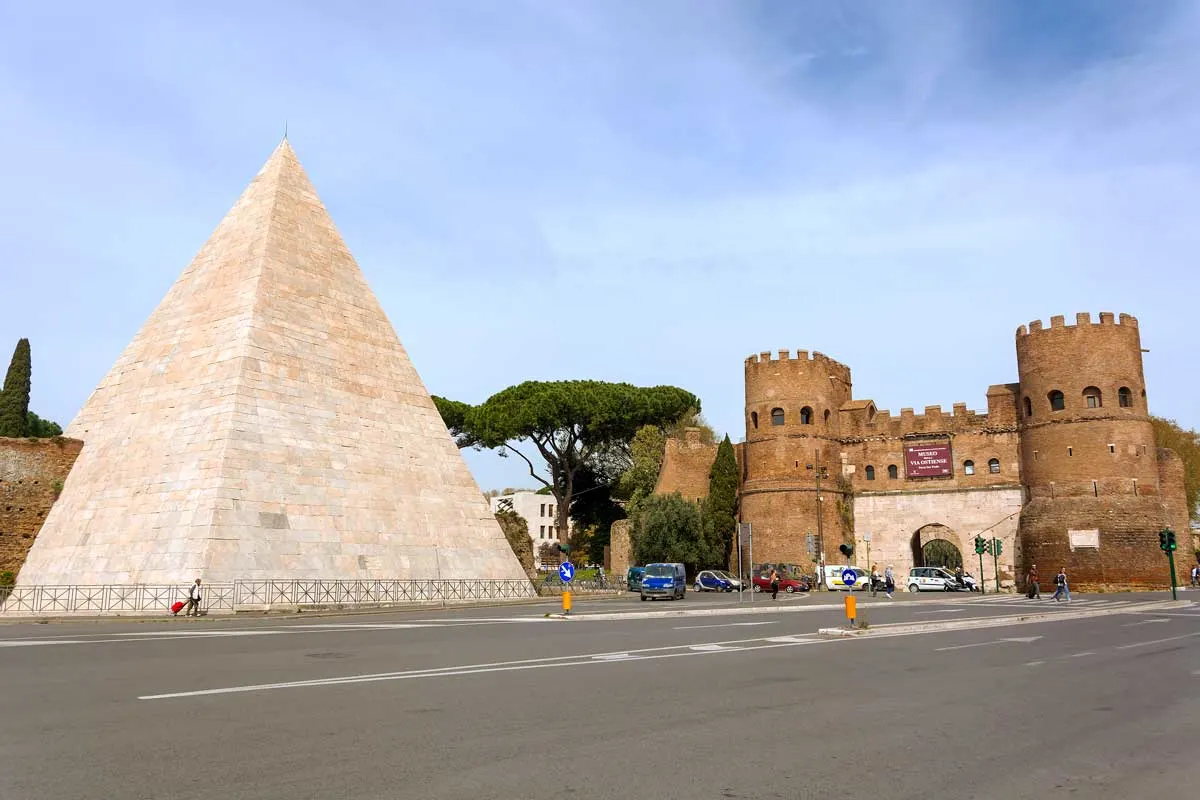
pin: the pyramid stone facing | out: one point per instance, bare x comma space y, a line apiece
266, 422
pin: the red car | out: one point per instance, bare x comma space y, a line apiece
762, 583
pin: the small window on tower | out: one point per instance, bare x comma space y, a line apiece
1028, 407
968, 467
893, 473
994, 465
776, 416
827, 416
1057, 401
754, 419
1125, 397
870, 473
1091, 396
1070, 451
806, 415
1112, 448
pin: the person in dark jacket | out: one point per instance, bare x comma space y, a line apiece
1035, 590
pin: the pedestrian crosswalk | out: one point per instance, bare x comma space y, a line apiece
1048, 602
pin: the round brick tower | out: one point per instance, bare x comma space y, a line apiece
1088, 457
792, 422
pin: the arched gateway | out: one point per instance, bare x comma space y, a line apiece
936, 545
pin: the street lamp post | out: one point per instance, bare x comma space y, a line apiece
820, 472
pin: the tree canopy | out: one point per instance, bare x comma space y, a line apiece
666, 527
720, 508
14, 398
573, 425
1186, 444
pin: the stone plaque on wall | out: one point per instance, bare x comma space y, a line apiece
1084, 539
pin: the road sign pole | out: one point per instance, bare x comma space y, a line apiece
750, 545
982, 580
996, 562
1171, 561
740, 575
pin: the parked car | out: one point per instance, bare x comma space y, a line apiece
833, 578
762, 583
712, 581
934, 579
633, 578
664, 580
733, 580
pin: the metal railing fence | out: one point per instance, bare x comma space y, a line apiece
249, 595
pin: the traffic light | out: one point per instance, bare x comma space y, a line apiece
1166, 540
979, 545
564, 548
846, 549
997, 547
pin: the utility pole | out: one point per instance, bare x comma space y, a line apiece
819, 472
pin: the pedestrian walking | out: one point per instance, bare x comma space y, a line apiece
193, 605
875, 580
1035, 589
889, 582
1061, 589
774, 584
1196, 576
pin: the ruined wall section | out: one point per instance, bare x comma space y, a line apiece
685, 467
32, 472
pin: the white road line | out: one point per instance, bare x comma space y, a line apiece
942, 611
708, 648
36, 642
1158, 641
190, 634
478, 669
1081, 655
1143, 622
726, 625
1011, 639
1034, 663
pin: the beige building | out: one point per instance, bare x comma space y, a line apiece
539, 511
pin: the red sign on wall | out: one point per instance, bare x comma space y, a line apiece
928, 460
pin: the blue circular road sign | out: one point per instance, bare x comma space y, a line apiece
849, 577
566, 571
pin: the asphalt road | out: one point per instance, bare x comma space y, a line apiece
715, 702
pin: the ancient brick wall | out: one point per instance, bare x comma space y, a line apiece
619, 549
685, 467
32, 472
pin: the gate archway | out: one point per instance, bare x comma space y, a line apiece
936, 545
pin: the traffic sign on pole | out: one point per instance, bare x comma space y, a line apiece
566, 571
849, 577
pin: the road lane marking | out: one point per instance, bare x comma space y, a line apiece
1081, 655
942, 611
708, 648
188, 634
655, 653
1143, 622
726, 625
1034, 663
35, 642
1158, 641
1008, 640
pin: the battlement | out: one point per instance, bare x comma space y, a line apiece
767, 357
862, 416
1082, 320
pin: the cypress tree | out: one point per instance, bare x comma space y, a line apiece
721, 506
14, 399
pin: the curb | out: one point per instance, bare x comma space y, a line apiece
899, 629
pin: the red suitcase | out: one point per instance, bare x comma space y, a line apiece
175, 609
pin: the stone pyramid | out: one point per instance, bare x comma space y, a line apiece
266, 422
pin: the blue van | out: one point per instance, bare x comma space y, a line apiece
664, 580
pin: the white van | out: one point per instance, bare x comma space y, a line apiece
833, 578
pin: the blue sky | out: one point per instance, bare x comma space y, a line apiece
633, 191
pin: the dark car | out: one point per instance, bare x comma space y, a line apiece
633, 578
762, 583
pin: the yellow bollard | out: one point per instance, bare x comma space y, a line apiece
851, 608
566, 602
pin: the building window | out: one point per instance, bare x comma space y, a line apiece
1057, 401
870, 473
994, 466
1124, 397
806, 416
1091, 396
1028, 407
776, 416
754, 419
893, 473
827, 416
552, 509
542, 513
1070, 451
541, 531
968, 467
1112, 448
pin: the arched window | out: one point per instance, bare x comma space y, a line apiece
1057, 401
1092, 397
1028, 407
892, 471
870, 473
994, 465
806, 416
1125, 397
968, 467
776, 416
754, 419
827, 416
